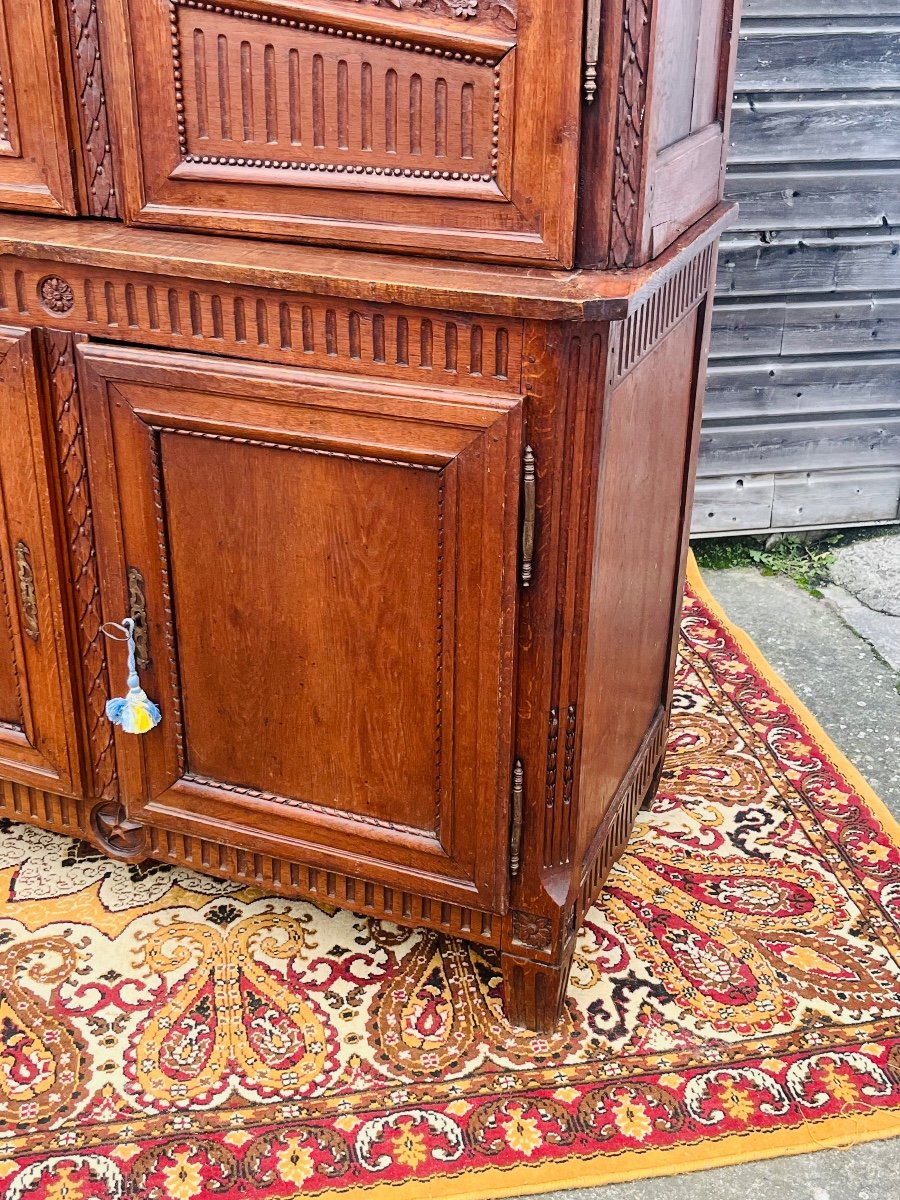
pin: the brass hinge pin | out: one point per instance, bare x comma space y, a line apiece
515, 833
591, 48
529, 511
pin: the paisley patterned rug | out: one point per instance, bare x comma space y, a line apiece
736, 995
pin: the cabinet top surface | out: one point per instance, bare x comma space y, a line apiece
501, 291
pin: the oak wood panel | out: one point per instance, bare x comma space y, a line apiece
647, 416
38, 741
347, 126
386, 620
34, 154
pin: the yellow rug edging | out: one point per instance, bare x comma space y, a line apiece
834, 1133
837, 1132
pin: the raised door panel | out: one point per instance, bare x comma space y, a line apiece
34, 158
38, 742
437, 128
691, 97
328, 571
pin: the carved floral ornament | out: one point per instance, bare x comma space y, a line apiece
501, 12
56, 295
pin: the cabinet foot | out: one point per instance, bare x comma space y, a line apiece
535, 993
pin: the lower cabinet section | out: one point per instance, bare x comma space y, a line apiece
323, 575
410, 629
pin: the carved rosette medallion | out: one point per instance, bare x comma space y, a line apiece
56, 294
530, 929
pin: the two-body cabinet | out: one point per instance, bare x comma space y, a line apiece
402, 538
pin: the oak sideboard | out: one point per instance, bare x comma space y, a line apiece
354, 351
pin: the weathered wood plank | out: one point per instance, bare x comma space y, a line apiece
733, 503
798, 328
750, 503
806, 499
794, 264
801, 445
802, 417
755, 390
819, 8
789, 199
815, 129
838, 58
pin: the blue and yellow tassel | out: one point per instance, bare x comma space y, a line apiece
135, 712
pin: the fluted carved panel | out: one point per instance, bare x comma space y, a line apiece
328, 887
661, 311
262, 94
377, 340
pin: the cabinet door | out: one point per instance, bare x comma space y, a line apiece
419, 125
328, 576
37, 725
34, 158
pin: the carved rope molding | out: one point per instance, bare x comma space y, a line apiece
630, 127
79, 522
95, 137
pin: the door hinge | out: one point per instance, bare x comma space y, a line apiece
591, 48
515, 829
529, 508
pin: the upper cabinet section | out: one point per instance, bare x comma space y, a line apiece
439, 127
34, 147
553, 133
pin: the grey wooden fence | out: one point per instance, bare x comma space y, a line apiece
802, 419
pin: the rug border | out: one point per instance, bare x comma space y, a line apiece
851, 773
829, 1133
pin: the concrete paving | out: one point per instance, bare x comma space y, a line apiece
870, 570
855, 695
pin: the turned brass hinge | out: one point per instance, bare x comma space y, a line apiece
591, 48
515, 829
529, 507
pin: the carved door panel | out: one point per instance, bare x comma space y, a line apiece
37, 724
417, 125
328, 573
34, 159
